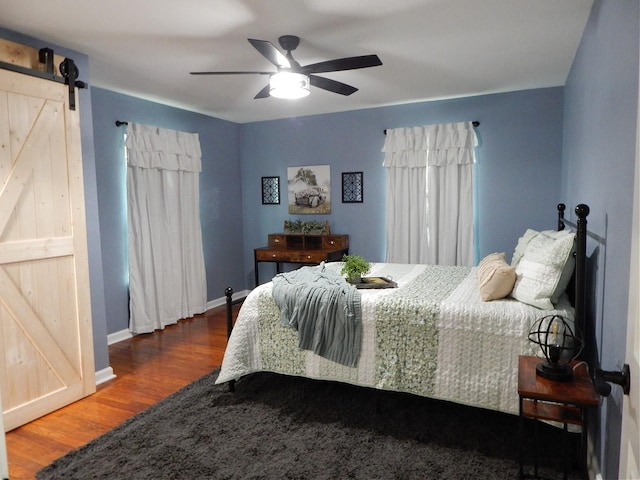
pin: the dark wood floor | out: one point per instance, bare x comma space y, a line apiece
148, 369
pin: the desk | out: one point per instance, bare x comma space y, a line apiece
300, 249
565, 402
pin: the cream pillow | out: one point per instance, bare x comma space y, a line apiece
545, 268
495, 277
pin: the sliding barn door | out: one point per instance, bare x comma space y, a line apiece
46, 346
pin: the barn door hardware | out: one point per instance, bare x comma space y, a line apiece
45, 55
622, 378
70, 72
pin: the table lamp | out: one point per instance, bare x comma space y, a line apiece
558, 342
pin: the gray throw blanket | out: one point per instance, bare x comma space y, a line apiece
324, 309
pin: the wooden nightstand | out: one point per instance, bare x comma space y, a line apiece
565, 402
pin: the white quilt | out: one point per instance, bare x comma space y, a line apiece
431, 336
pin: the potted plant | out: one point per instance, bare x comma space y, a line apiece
306, 227
354, 267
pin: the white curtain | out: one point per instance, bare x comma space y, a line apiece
430, 194
167, 279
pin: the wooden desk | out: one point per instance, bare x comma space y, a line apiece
565, 402
300, 249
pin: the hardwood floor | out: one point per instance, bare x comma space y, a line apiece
148, 369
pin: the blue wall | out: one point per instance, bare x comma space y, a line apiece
601, 100
518, 167
220, 196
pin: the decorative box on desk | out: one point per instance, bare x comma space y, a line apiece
301, 249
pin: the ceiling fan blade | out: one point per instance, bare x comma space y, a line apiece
270, 52
264, 93
331, 85
231, 73
348, 63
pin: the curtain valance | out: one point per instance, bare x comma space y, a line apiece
430, 145
161, 148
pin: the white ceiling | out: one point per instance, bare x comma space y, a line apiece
430, 49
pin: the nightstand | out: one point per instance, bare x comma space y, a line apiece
566, 402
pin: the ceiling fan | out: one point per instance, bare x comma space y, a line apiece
291, 80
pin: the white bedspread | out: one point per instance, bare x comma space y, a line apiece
429, 337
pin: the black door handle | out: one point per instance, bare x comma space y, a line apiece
622, 378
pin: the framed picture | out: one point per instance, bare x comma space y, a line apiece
352, 187
270, 190
309, 189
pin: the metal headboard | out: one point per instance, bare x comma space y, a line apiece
580, 276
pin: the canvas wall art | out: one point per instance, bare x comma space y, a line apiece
309, 189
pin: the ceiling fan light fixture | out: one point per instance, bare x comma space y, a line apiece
289, 85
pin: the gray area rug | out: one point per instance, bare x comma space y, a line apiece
279, 427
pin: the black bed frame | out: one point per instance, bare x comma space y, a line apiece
579, 280
580, 273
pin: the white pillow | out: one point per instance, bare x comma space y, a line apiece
495, 277
544, 270
569, 266
523, 241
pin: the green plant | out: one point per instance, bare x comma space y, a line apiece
305, 226
354, 266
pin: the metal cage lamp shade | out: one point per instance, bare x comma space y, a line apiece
558, 343
289, 85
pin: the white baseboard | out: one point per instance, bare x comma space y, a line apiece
104, 375
116, 337
223, 300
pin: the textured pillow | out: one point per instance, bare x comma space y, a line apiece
544, 270
523, 241
569, 265
495, 277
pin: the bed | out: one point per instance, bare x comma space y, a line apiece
444, 332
